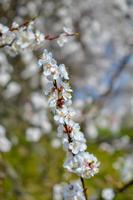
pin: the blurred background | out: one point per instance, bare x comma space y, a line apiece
100, 64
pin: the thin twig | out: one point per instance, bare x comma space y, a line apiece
84, 189
54, 37
124, 187
46, 37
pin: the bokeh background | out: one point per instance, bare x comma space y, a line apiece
100, 64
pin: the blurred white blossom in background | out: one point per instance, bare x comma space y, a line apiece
108, 194
5, 144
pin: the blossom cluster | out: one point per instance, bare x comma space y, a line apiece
59, 92
72, 191
20, 37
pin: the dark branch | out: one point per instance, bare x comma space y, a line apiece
84, 189
124, 187
101, 99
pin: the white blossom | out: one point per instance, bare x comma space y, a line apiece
4, 78
39, 37
73, 191
57, 192
108, 194
48, 87
83, 164
38, 100
67, 30
3, 29
77, 146
46, 58
12, 89
5, 144
62, 39
125, 166
64, 115
56, 143
78, 143
63, 72
33, 134
15, 25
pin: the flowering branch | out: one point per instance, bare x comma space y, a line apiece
22, 36
59, 92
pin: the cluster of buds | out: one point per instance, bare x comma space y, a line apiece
59, 92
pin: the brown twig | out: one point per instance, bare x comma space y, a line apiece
124, 187
50, 37
46, 37
84, 189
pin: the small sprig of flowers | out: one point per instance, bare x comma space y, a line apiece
59, 95
19, 37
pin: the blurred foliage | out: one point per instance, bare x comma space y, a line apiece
30, 170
